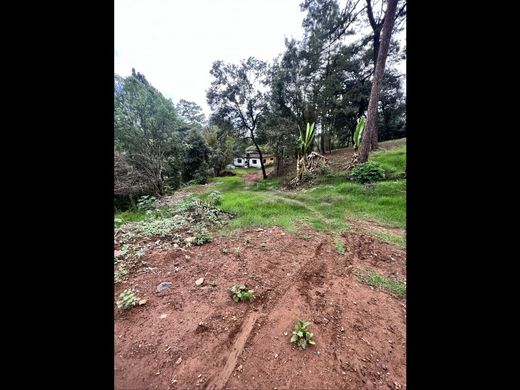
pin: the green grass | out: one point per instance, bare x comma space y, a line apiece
324, 207
395, 286
393, 161
130, 216
390, 238
340, 248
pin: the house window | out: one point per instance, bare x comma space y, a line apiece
239, 160
253, 161
264, 160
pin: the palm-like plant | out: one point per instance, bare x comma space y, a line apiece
305, 143
358, 133
306, 140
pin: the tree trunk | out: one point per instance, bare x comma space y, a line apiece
371, 125
260, 154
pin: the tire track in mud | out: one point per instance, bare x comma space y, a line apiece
219, 381
262, 309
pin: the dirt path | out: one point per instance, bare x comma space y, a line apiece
197, 337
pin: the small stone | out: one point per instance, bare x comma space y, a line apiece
275, 355
162, 316
175, 245
390, 341
199, 375
179, 360
200, 323
163, 286
199, 281
342, 329
285, 333
239, 368
117, 253
142, 302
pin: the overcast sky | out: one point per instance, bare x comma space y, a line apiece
174, 42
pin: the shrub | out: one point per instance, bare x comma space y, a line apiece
120, 274
146, 202
241, 293
215, 198
301, 334
202, 174
324, 169
367, 172
127, 300
201, 237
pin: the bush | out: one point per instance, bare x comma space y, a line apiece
324, 169
215, 198
202, 174
367, 172
146, 202
127, 300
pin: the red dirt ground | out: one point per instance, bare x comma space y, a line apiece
197, 337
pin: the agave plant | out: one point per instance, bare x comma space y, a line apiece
358, 133
306, 140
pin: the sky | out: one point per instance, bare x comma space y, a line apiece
174, 42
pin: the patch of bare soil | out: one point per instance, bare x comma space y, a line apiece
374, 226
253, 177
197, 337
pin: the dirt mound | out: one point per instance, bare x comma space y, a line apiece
191, 336
227, 173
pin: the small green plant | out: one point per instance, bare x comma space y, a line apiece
120, 274
340, 248
324, 169
201, 237
241, 293
237, 252
146, 202
127, 300
215, 198
118, 222
358, 133
301, 335
367, 172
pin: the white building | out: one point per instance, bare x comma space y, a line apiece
252, 159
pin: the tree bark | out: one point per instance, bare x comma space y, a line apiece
371, 125
260, 154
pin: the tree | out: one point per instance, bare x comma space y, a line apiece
221, 146
238, 93
371, 125
191, 112
195, 154
145, 125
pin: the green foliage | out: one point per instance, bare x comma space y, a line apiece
302, 335
221, 147
306, 140
202, 174
368, 172
340, 248
194, 162
127, 300
215, 198
120, 274
146, 202
201, 237
146, 134
324, 169
325, 206
358, 133
393, 285
393, 161
241, 293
